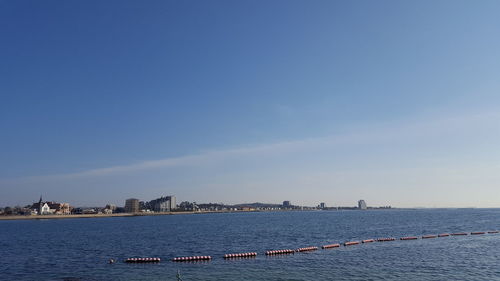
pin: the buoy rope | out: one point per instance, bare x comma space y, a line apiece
305, 249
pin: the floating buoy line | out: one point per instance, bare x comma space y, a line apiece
240, 255
350, 243
409, 238
279, 252
304, 249
329, 246
140, 260
386, 239
194, 258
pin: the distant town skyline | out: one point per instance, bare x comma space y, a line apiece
249, 101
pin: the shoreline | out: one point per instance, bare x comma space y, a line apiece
83, 216
119, 215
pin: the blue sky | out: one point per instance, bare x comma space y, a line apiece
394, 102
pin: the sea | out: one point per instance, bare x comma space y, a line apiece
79, 249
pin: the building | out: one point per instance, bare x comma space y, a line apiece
59, 208
50, 208
142, 205
362, 205
188, 206
162, 204
132, 205
322, 205
287, 204
40, 207
173, 203
109, 209
44, 209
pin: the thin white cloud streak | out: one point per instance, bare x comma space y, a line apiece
379, 133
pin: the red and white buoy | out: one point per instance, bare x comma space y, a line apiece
279, 252
193, 258
409, 238
240, 255
306, 249
329, 246
142, 260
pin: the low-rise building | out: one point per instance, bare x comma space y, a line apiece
50, 208
109, 209
59, 208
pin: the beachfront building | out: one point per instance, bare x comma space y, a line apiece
43, 209
188, 206
112, 207
50, 208
109, 209
362, 205
132, 205
40, 207
59, 208
287, 204
162, 204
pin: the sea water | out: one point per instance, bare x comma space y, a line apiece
79, 249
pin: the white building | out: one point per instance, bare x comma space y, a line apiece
45, 209
163, 204
362, 205
41, 208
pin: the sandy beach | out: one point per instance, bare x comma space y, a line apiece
44, 217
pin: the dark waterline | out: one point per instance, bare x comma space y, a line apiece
76, 249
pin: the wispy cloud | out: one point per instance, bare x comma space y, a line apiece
447, 127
